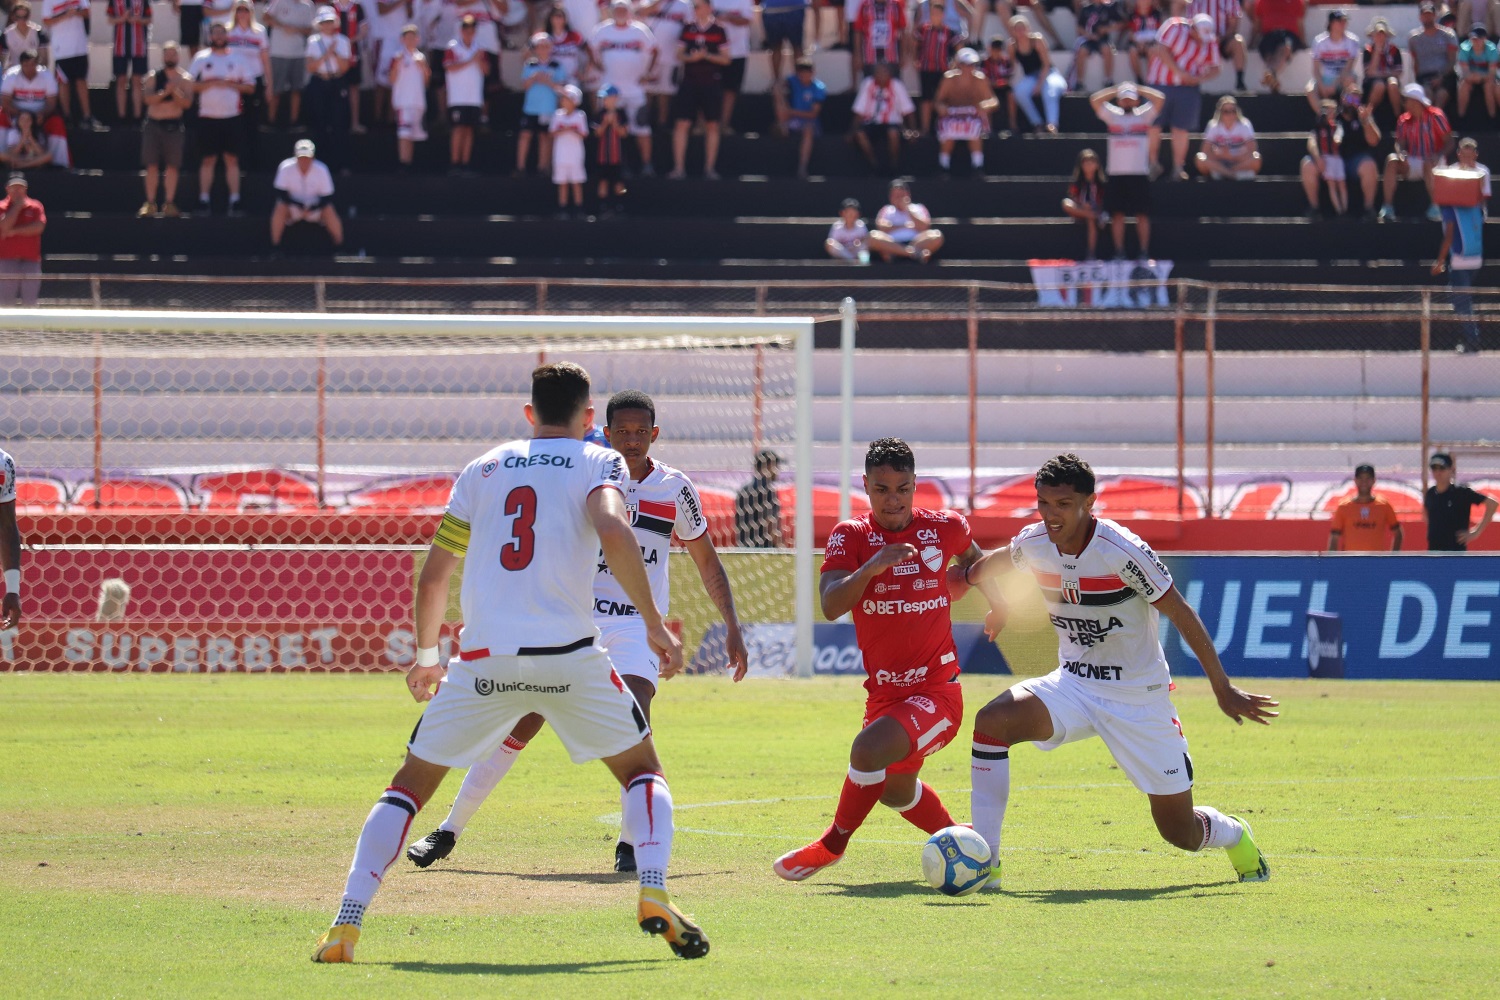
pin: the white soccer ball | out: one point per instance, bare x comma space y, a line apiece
956, 861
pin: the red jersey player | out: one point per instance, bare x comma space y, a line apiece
889, 567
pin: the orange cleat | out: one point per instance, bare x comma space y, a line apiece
794, 866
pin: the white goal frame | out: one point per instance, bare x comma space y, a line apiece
798, 330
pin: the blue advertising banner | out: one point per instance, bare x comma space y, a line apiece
1402, 616
772, 650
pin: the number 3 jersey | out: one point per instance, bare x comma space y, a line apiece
902, 621
519, 515
1100, 601
662, 502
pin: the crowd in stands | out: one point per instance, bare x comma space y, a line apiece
600, 77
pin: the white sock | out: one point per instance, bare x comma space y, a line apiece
1218, 830
944, 160
479, 783
623, 838
648, 825
989, 790
380, 844
977, 159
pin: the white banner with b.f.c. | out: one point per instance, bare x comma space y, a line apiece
1101, 284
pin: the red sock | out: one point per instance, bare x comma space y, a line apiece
929, 814
855, 803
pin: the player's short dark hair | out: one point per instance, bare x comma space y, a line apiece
628, 399
890, 453
558, 392
1362, 470
1067, 470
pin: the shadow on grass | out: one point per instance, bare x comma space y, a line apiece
1074, 896
522, 968
584, 878
879, 890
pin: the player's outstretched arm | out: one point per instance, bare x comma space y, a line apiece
1238, 705
964, 574
432, 608
10, 562
839, 590
622, 553
716, 585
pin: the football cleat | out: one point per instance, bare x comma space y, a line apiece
794, 866
624, 857
993, 882
657, 915
337, 945
436, 846
1246, 857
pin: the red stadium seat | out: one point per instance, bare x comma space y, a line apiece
426, 493
255, 489
1258, 501
1012, 498
929, 494
40, 495
150, 494
1126, 497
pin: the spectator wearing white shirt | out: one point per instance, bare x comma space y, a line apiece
249, 43
409, 78
1229, 147
625, 50
304, 193
1336, 56
22, 34
329, 55
904, 228
291, 24
221, 83
883, 109
666, 19
848, 237
735, 16
464, 65
67, 24
1129, 112
569, 128
32, 88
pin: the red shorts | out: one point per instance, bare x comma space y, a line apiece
931, 718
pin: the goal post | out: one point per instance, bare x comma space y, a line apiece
166, 445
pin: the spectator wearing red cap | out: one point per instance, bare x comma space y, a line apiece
22, 221
1186, 54
1422, 137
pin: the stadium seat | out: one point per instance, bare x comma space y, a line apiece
132, 494
1258, 500
1012, 498
40, 495
427, 494
255, 489
1127, 497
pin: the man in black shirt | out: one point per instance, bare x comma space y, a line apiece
757, 508
1448, 505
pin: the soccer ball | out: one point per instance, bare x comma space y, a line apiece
956, 861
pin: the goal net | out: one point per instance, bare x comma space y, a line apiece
256, 492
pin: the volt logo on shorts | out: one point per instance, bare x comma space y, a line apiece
484, 686
1093, 671
904, 607
904, 678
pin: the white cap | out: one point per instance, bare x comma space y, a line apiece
305, 147
573, 94
325, 14
967, 57
1416, 93
540, 37
1127, 92
1204, 25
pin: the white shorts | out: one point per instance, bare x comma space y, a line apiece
409, 123
1145, 740
960, 124
624, 639
296, 213
568, 171
1333, 168
1414, 165
480, 702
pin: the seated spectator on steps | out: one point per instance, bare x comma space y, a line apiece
1382, 67
1085, 200
1279, 26
28, 150
1035, 75
1229, 149
304, 193
1422, 138
964, 105
904, 228
848, 237
32, 87
1351, 139
1325, 160
798, 107
1475, 69
998, 68
1433, 49
882, 110
1335, 56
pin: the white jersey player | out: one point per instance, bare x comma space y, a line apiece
662, 501
10, 544
531, 517
1104, 588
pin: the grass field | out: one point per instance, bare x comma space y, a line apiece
188, 836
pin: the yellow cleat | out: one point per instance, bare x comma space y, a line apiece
337, 945
1249, 864
657, 915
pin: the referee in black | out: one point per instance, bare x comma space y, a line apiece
1448, 507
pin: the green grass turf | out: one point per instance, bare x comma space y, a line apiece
188, 836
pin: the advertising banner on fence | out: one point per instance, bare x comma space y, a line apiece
773, 653
1103, 284
1402, 616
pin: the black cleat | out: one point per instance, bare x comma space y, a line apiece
436, 846
624, 857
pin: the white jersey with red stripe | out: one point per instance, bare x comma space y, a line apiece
624, 53
1192, 54
1101, 603
661, 503
519, 515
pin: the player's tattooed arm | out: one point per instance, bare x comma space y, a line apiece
839, 590
716, 585
1237, 704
